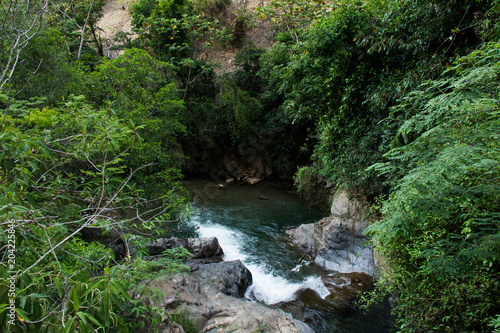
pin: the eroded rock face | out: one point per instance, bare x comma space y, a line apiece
337, 242
207, 295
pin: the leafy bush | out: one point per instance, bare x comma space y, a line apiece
62, 171
440, 231
210, 7
347, 69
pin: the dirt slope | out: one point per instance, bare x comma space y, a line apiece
116, 17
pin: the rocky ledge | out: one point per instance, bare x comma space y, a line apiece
337, 243
211, 298
212, 294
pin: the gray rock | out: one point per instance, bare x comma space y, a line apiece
209, 304
229, 277
253, 180
302, 327
199, 247
337, 242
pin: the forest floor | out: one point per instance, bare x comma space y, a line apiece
117, 17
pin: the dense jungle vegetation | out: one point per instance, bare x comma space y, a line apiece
397, 100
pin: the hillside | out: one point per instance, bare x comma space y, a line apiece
117, 17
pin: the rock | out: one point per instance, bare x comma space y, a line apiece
253, 181
171, 327
199, 247
343, 289
207, 249
229, 277
207, 299
109, 237
302, 327
337, 242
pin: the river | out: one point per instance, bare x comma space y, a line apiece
249, 222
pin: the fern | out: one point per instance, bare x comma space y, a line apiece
441, 225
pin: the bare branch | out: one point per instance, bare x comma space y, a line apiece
21, 21
83, 30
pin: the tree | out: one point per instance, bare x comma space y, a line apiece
349, 68
440, 233
19, 23
62, 171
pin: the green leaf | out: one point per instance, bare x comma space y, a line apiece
82, 317
92, 319
75, 299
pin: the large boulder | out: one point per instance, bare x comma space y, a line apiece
207, 295
199, 247
202, 249
229, 277
337, 242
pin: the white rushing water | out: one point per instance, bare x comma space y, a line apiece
267, 287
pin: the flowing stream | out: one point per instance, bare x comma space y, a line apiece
249, 222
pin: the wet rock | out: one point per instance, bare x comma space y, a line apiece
302, 327
337, 242
206, 296
229, 277
199, 247
252, 180
344, 290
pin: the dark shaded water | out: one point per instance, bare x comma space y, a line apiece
249, 221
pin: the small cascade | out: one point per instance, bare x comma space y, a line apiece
267, 287
252, 230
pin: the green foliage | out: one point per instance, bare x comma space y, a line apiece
140, 272
102, 142
305, 180
210, 7
44, 68
440, 231
495, 323
247, 78
289, 17
71, 17
62, 170
173, 32
184, 320
350, 67
313, 187
141, 91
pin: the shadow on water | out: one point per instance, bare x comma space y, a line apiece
249, 221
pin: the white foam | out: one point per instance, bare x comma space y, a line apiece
270, 288
267, 287
315, 283
229, 240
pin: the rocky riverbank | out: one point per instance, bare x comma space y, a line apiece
212, 294
337, 243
